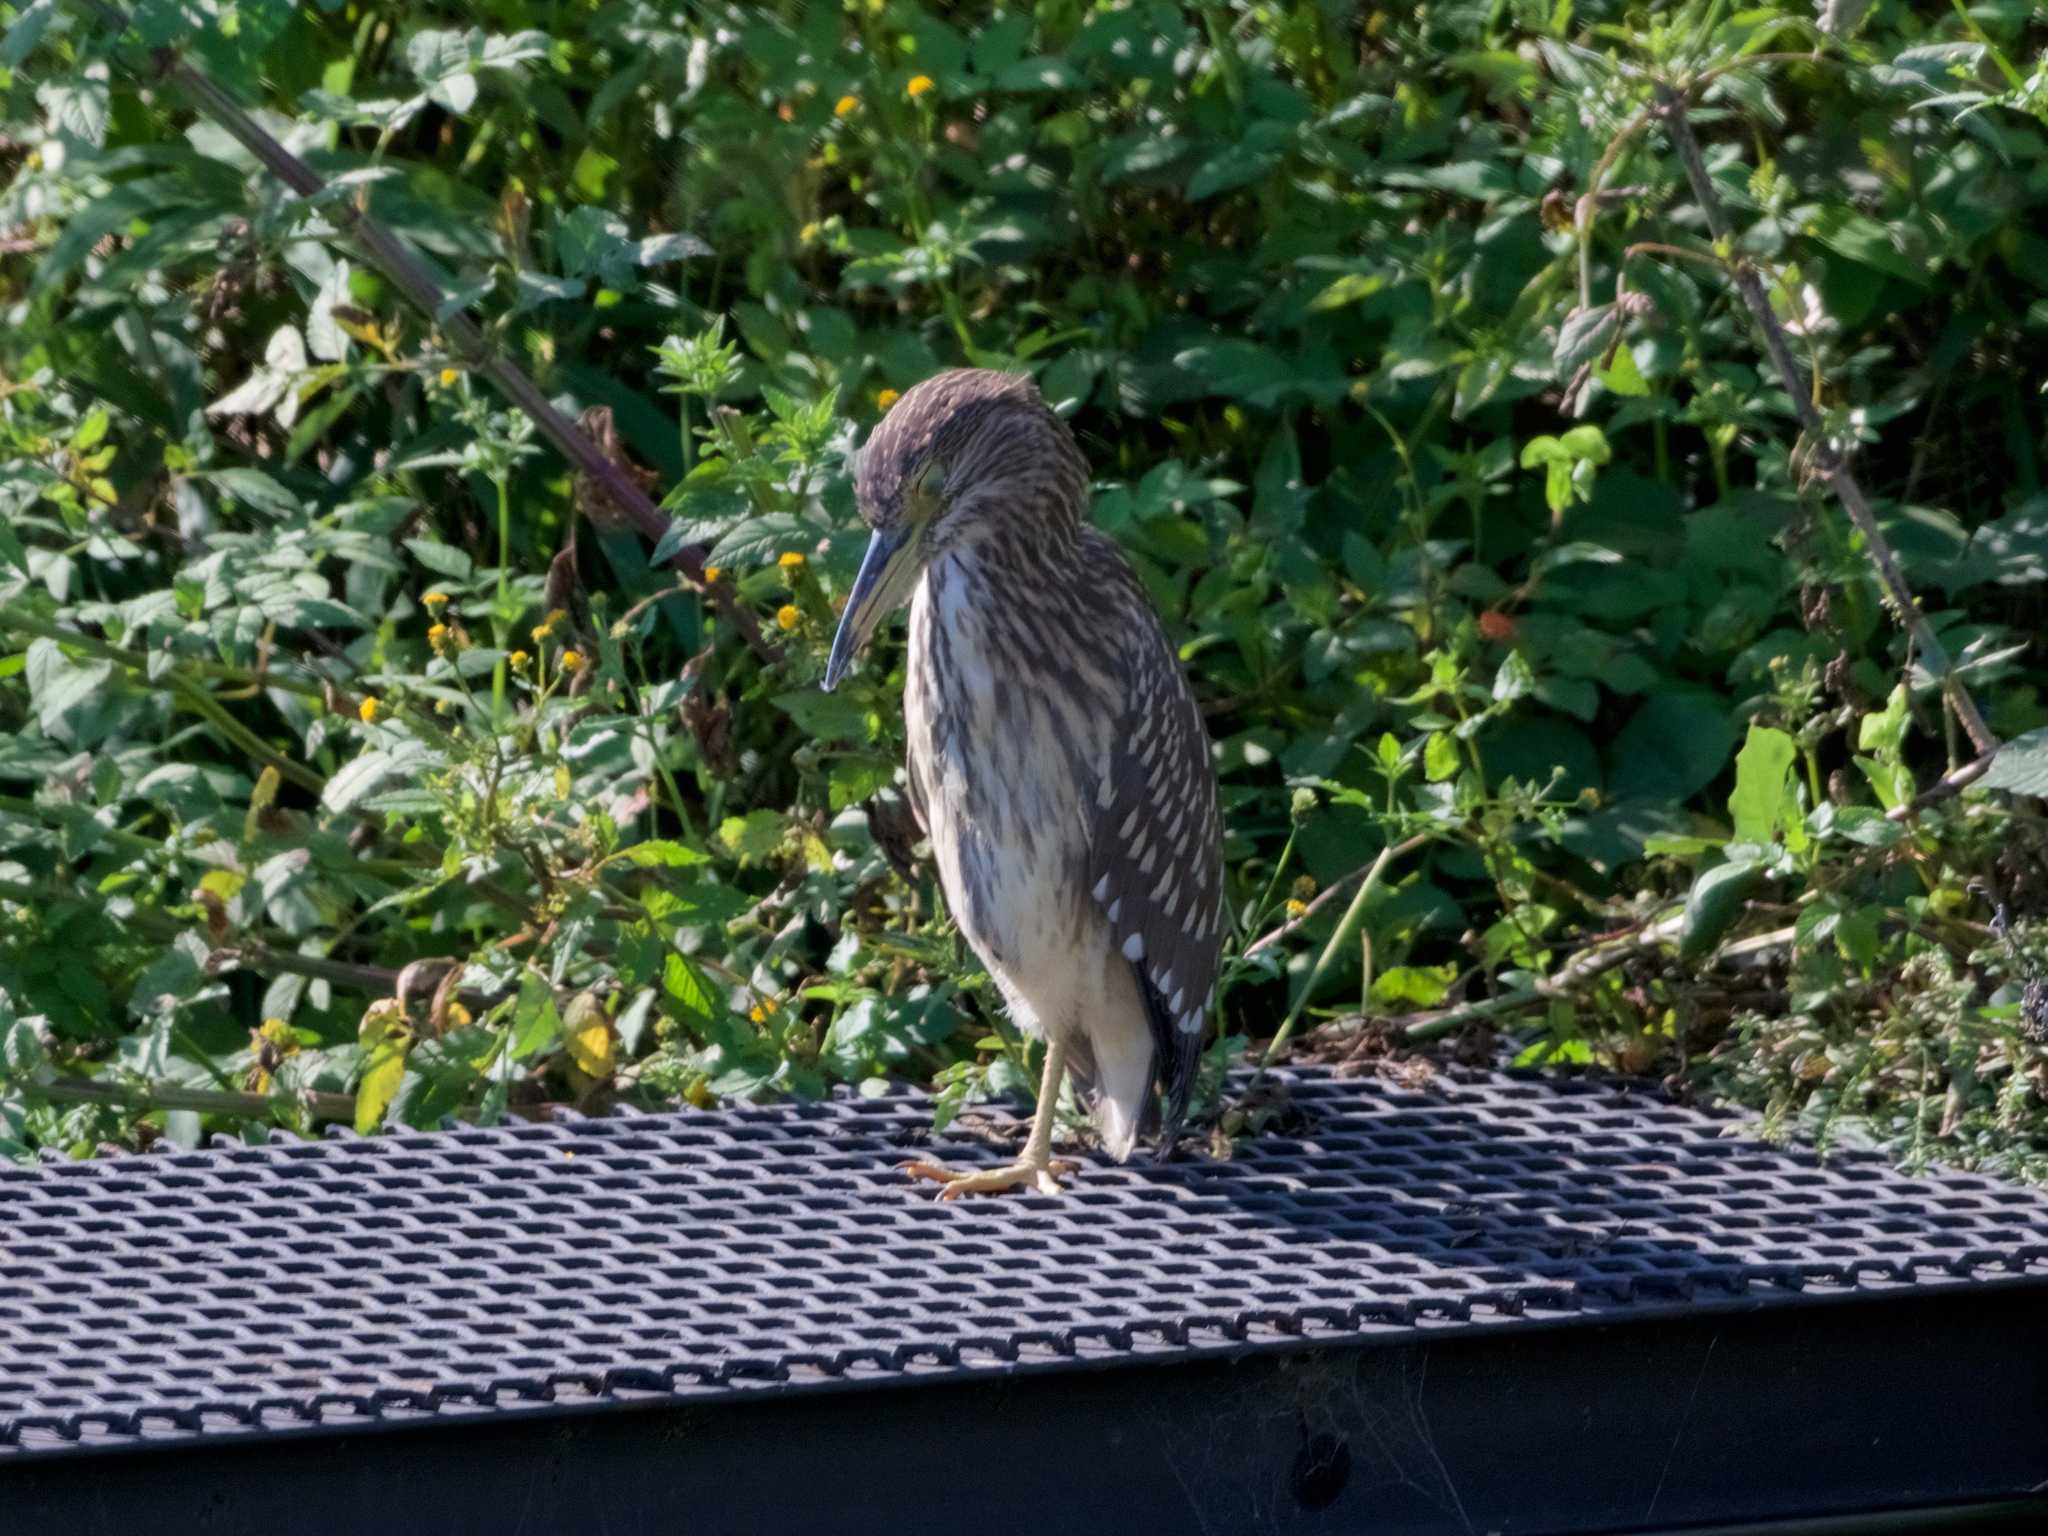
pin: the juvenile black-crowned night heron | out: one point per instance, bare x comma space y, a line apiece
1056, 755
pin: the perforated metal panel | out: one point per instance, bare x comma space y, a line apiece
592, 1262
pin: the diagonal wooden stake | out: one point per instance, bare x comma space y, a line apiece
389, 255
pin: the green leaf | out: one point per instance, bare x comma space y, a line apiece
1861, 238
535, 1020
1885, 731
688, 996
1761, 768
2021, 765
829, 716
662, 855
752, 837
1713, 905
1672, 747
852, 780
442, 559
1622, 376
1256, 154
1441, 758
382, 1074
367, 773
74, 700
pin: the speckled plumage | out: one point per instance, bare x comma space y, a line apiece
1056, 755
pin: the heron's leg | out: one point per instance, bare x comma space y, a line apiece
1036, 1167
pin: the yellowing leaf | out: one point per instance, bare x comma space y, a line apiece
260, 801
587, 1034
380, 1082
591, 1049
224, 883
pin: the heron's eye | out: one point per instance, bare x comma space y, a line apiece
924, 486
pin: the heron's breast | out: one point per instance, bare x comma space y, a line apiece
1011, 759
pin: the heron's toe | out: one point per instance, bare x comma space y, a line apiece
1044, 1177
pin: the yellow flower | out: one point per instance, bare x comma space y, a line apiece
541, 633
436, 600
437, 637
788, 616
518, 659
887, 398
760, 1011
711, 574
369, 709
1296, 908
919, 84
846, 106
790, 561
572, 661
449, 376
808, 233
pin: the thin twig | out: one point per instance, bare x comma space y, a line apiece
390, 255
1827, 458
1582, 213
1346, 927
1950, 784
1322, 898
1421, 1028
339, 1107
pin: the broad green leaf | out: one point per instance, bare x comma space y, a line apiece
2021, 765
1712, 907
1761, 768
828, 716
378, 1086
662, 855
689, 996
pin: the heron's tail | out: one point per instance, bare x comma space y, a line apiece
1113, 1079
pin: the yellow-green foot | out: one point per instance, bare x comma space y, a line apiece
1044, 1174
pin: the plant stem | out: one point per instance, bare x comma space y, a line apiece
1341, 939
499, 620
1826, 457
21, 622
203, 704
206, 1101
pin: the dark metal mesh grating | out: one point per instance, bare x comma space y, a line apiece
595, 1261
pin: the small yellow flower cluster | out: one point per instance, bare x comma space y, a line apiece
437, 637
760, 1011
369, 709
791, 561
887, 398
846, 106
711, 574
573, 661
918, 85
789, 616
435, 601
1296, 907
519, 659
546, 627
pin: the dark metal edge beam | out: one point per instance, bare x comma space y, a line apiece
1637, 1426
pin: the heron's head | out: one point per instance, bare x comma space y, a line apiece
965, 455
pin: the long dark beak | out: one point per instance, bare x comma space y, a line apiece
884, 579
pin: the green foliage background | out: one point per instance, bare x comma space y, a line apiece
1488, 534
